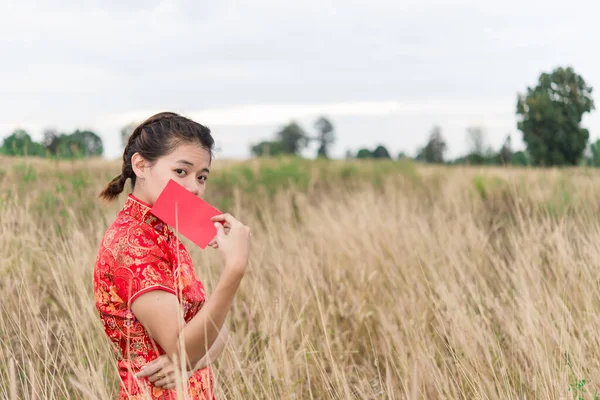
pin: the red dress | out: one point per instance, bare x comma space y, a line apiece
140, 253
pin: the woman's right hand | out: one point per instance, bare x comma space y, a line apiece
234, 244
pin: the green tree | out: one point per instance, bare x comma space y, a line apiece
293, 139
595, 153
19, 143
364, 153
325, 136
266, 149
51, 141
520, 158
434, 150
506, 152
550, 115
381, 152
87, 143
79, 144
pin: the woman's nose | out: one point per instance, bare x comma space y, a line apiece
193, 189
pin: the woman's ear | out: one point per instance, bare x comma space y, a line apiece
138, 165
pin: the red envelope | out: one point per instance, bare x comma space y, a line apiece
186, 213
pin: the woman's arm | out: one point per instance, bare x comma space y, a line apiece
159, 311
161, 371
215, 350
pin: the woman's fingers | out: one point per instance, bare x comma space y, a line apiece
214, 240
169, 381
153, 366
150, 369
214, 243
164, 382
156, 377
165, 375
160, 372
227, 218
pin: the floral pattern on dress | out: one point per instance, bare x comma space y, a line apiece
140, 253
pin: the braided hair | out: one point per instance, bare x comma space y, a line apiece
157, 136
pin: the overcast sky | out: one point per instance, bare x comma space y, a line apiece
384, 71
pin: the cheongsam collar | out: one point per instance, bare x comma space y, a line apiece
140, 210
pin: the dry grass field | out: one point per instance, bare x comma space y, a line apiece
367, 281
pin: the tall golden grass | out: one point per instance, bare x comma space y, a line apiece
436, 283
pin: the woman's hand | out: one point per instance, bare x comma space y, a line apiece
161, 373
213, 243
233, 240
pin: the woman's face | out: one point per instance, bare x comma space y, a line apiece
187, 165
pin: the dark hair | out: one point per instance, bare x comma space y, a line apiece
157, 136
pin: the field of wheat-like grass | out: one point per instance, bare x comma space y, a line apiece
367, 280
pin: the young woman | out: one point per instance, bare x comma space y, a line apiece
151, 303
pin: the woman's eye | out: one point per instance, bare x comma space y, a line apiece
180, 172
203, 178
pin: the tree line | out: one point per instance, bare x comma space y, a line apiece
80, 143
292, 139
549, 117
